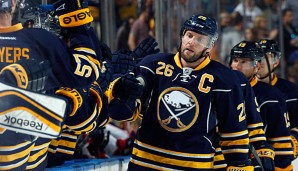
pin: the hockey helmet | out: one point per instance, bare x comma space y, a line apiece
203, 25
247, 49
5, 6
270, 46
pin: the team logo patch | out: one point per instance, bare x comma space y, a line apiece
178, 109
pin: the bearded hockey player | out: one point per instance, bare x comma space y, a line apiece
188, 96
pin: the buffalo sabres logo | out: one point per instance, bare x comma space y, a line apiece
178, 109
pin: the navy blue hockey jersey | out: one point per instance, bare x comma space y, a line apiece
75, 66
290, 92
274, 114
178, 129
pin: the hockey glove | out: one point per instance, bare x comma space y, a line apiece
122, 62
106, 52
288, 168
266, 155
105, 76
147, 47
240, 166
73, 15
75, 97
129, 88
27, 74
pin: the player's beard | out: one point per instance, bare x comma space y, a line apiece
191, 59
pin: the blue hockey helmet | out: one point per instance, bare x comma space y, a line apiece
5, 6
203, 25
270, 46
247, 49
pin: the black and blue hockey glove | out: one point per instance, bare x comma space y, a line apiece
129, 88
147, 47
105, 76
122, 62
264, 159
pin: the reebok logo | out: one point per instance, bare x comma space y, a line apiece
62, 7
20, 122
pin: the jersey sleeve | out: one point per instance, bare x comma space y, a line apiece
277, 130
78, 65
254, 120
232, 125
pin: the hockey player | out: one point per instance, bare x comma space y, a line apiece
289, 89
188, 95
246, 57
255, 126
116, 109
77, 66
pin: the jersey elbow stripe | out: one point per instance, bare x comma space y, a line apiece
280, 153
15, 165
244, 141
286, 138
229, 151
282, 145
86, 50
176, 162
234, 134
269, 101
256, 125
16, 155
148, 69
256, 132
34, 165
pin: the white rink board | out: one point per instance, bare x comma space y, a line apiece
295, 163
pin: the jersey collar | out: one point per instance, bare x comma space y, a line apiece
253, 81
274, 80
205, 62
13, 28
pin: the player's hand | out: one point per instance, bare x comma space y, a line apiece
122, 62
128, 88
147, 47
266, 154
105, 76
106, 52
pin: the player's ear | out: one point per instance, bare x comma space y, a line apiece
276, 63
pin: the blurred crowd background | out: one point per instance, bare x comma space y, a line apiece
122, 24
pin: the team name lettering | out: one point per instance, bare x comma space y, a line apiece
23, 122
77, 17
13, 54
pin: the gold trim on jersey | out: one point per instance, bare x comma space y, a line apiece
274, 80
234, 134
255, 125
243, 141
285, 138
254, 81
15, 156
256, 132
174, 162
174, 153
282, 145
15, 165
34, 157
34, 165
202, 65
13, 28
